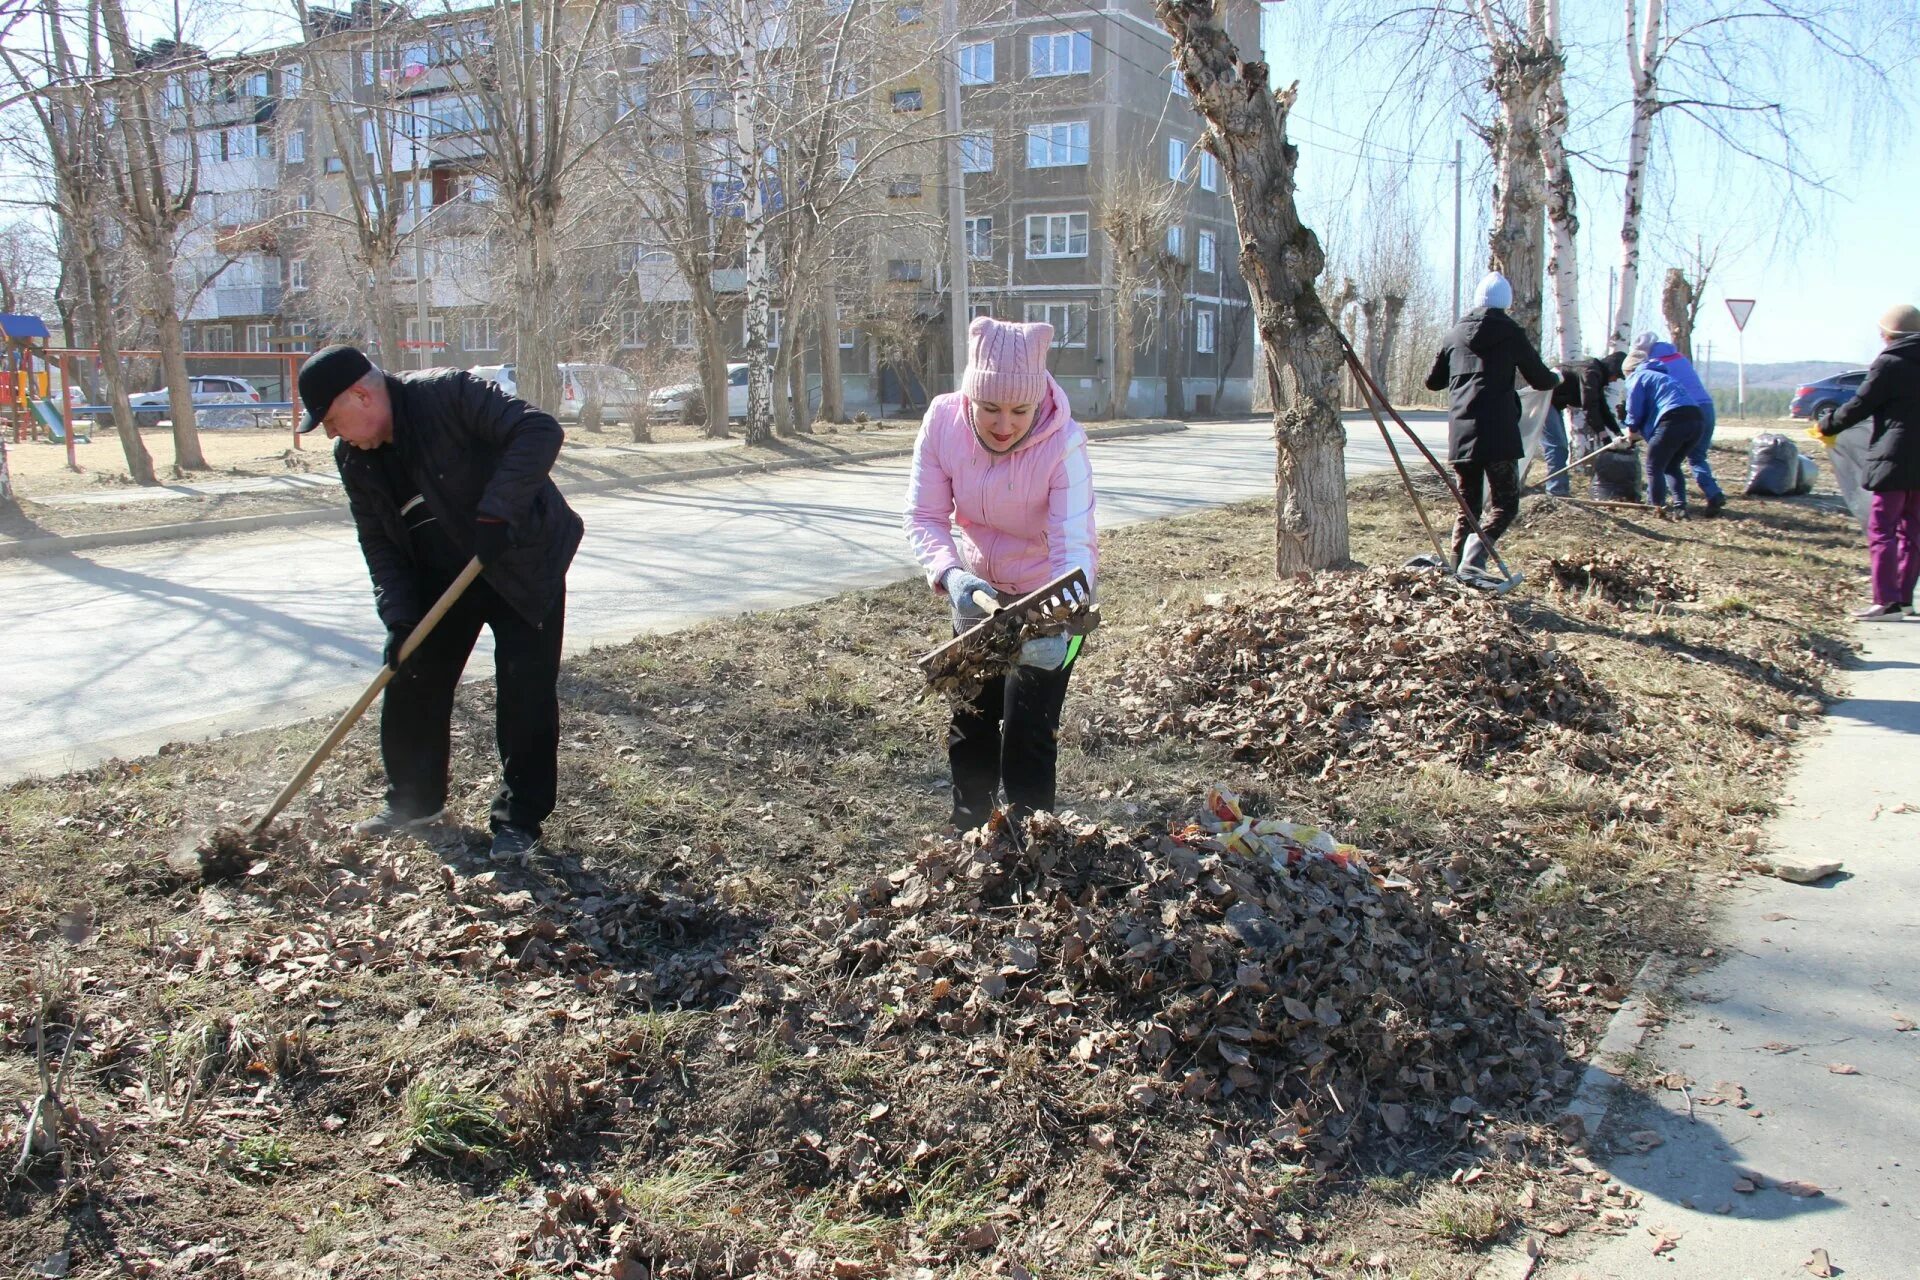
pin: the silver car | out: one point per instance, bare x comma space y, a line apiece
212, 394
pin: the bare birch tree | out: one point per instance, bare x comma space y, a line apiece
1134, 211
1280, 258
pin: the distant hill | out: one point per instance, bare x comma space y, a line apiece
1787, 376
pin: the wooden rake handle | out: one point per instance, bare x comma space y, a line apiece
346, 722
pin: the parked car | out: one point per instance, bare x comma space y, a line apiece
1828, 393
210, 393
687, 401
618, 392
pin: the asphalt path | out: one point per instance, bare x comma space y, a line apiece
114, 652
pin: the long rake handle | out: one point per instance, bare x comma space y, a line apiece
352, 717
1608, 447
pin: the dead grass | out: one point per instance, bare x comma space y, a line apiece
764, 769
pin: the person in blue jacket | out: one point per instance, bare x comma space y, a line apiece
1681, 370
1660, 411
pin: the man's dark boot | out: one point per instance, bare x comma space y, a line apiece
1716, 505
388, 822
513, 844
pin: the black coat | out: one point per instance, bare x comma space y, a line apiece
1890, 395
1583, 385
1476, 367
471, 450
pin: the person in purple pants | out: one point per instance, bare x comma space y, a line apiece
1889, 399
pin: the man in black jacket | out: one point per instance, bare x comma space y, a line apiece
1476, 367
1583, 388
440, 466
1890, 396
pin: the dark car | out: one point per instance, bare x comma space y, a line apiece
1828, 393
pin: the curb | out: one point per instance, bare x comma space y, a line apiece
61, 544
1594, 1096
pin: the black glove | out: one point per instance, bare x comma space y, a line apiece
396, 636
1824, 419
491, 539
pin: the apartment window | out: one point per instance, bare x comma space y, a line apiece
907, 188
906, 100
176, 92
633, 97
259, 337
632, 329
1069, 321
683, 329
1064, 53
981, 309
336, 164
1179, 83
369, 137
263, 141
293, 78
297, 339
297, 146
436, 329
629, 19
976, 153
1176, 160
479, 333
1205, 251
1203, 322
1209, 172
848, 335
1057, 235
907, 14
979, 237
1177, 241
255, 85
217, 337
485, 190
1055, 146
849, 157
296, 275
976, 63
776, 321
904, 270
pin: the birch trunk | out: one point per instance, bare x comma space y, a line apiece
1643, 61
1563, 222
1280, 258
1517, 243
746, 101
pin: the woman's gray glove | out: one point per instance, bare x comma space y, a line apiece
960, 586
1046, 653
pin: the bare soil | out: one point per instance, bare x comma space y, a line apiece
661, 1050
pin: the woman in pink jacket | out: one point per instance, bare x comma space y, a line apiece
1001, 501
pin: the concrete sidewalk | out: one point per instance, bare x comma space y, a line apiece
1812, 1014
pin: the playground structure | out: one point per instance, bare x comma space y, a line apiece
28, 365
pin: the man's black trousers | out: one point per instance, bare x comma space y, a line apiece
1008, 735
1503, 479
416, 715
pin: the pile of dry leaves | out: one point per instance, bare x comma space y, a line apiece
1620, 577
1251, 966
1349, 670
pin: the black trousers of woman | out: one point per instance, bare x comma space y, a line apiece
1008, 735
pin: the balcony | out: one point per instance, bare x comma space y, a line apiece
246, 300
730, 280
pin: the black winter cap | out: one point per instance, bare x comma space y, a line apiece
327, 373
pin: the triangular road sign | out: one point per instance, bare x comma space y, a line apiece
1741, 309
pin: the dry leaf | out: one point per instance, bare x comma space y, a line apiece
1665, 1239
1902, 1024
1799, 1190
1843, 1069
1820, 1264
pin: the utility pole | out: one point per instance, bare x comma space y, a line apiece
959, 313
1456, 228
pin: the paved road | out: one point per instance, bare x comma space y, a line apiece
117, 651
1814, 976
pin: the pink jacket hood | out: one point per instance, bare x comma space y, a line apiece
1018, 519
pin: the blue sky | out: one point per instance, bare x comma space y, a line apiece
1821, 272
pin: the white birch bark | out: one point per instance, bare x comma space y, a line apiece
1643, 61
1563, 222
759, 282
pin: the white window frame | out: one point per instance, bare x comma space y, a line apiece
1206, 252
1205, 326
296, 275
1177, 240
293, 79
976, 152
683, 329
479, 333
1061, 144
848, 336
633, 326
919, 101
299, 336
1176, 160
1062, 316
976, 63
259, 337
1179, 82
436, 326
297, 147
1060, 229
977, 232
224, 336
1209, 172
1060, 53
629, 19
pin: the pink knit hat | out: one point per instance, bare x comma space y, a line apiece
1006, 362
